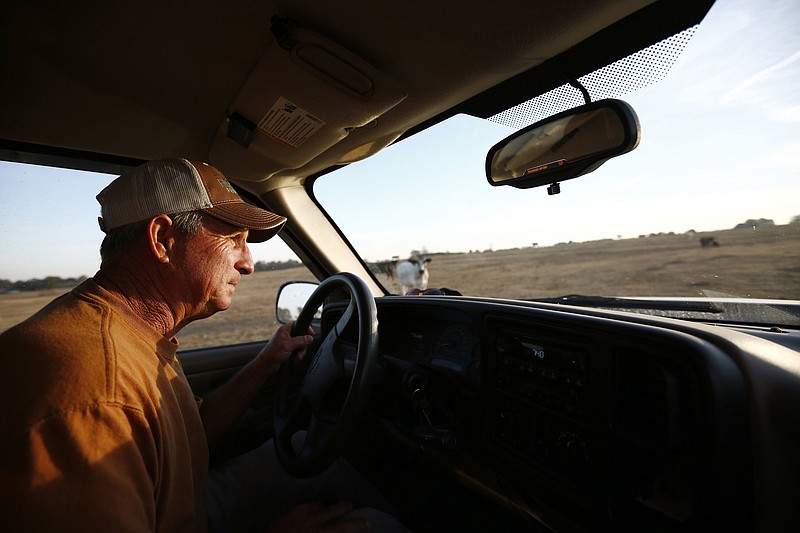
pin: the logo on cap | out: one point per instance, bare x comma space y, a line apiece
227, 185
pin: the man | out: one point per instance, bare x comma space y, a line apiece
100, 429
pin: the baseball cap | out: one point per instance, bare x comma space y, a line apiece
171, 186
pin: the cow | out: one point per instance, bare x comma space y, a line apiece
708, 242
413, 273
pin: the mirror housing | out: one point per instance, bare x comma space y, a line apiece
292, 297
564, 146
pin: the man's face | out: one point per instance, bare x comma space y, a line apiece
210, 265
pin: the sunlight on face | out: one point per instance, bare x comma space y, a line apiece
212, 263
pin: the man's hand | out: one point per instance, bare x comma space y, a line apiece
314, 517
282, 345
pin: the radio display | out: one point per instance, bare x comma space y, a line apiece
533, 350
552, 355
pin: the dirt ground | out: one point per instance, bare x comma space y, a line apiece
761, 263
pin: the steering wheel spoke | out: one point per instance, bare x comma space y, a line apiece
290, 417
342, 323
322, 373
319, 431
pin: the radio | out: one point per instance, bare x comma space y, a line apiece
541, 408
553, 374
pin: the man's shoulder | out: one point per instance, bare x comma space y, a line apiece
76, 351
56, 335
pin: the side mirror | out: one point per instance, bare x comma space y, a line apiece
564, 146
292, 297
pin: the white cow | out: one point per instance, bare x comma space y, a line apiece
413, 274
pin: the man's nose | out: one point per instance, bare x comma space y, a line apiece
245, 266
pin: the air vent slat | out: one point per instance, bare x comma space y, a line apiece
650, 400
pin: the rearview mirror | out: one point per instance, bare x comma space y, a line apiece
564, 146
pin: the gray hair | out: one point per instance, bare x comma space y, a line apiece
120, 240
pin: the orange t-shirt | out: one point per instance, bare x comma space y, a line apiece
99, 429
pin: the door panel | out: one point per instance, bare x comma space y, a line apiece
208, 368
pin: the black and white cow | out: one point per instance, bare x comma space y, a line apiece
413, 273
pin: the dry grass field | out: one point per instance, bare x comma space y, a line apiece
759, 263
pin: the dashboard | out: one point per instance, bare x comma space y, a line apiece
597, 419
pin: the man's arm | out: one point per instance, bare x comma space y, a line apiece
221, 408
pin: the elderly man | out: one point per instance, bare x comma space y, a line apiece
100, 429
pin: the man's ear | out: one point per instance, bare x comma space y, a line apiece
161, 237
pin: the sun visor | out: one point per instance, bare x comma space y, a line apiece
304, 96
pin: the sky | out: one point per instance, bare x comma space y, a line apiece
736, 156
720, 145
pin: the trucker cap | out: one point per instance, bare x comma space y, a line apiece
171, 186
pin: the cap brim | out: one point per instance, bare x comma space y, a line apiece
263, 224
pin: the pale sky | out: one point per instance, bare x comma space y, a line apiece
716, 150
720, 145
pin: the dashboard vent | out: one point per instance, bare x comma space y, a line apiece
651, 404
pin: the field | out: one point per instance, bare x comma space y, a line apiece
758, 263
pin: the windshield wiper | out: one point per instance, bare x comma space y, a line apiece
610, 302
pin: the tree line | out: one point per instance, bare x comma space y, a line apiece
55, 282
39, 284
262, 266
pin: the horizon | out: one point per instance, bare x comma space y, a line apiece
435, 253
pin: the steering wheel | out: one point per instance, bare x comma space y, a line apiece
335, 387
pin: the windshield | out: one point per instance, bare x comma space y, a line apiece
705, 206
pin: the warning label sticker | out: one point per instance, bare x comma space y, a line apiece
289, 124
